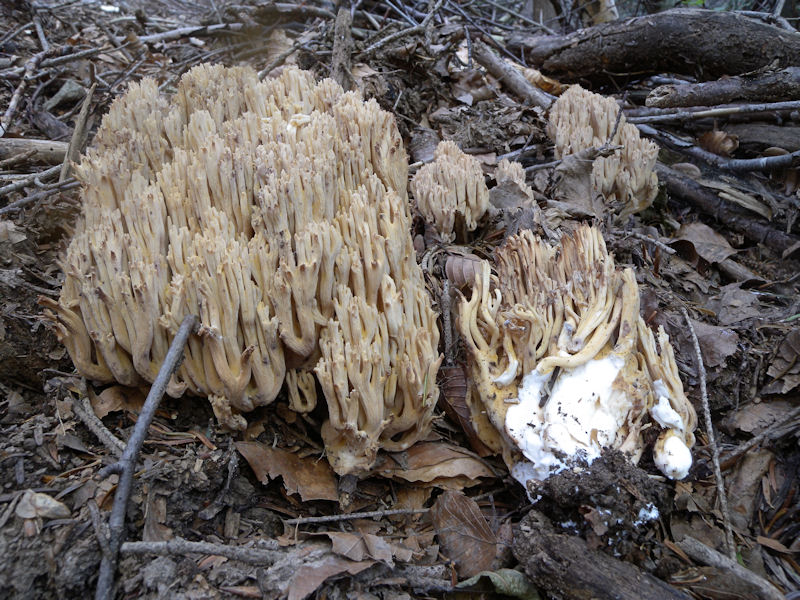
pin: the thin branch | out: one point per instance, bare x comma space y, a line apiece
641, 116
85, 413
76, 142
31, 66
702, 553
126, 465
362, 515
23, 202
180, 546
33, 178
723, 499
768, 163
367, 52
508, 75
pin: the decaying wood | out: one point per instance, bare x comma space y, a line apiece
511, 77
44, 151
565, 567
342, 49
766, 134
738, 219
703, 43
765, 87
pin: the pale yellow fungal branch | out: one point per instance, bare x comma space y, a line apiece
579, 120
564, 367
277, 212
450, 191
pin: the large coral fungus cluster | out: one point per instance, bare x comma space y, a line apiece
277, 212
579, 120
563, 364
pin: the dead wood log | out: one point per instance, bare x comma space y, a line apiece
765, 87
565, 567
703, 43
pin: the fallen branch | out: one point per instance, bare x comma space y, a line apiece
361, 515
84, 411
767, 163
702, 553
33, 178
712, 441
733, 217
508, 75
49, 191
29, 73
78, 135
641, 116
126, 465
39, 151
366, 53
766, 87
180, 546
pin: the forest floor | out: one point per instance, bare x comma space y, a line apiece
438, 514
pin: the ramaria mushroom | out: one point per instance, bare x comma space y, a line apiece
451, 191
579, 120
563, 364
277, 212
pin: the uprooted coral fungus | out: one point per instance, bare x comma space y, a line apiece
277, 212
563, 364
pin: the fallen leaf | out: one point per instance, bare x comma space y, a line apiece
464, 534
310, 477
313, 574
358, 546
698, 239
436, 463
116, 398
745, 485
773, 544
755, 418
718, 142
36, 504
574, 192
785, 367
508, 582
716, 343
733, 305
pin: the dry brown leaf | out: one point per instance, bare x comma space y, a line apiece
313, 574
716, 343
755, 418
698, 239
737, 196
773, 544
719, 142
436, 463
574, 192
733, 304
242, 591
464, 534
313, 479
745, 485
785, 367
116, 398
360, 546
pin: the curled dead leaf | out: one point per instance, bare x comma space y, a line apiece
719, 142
439, 464
461, 269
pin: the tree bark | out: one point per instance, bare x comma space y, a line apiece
702, 43
765, 87
565, 567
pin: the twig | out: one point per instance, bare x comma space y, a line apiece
521, 17
341, 59
76, 142
702, 553
32, 178
126, 465
31, 66
367, 52
730, 459
689, 113
181, 32
254, 556
446, 325
85, 413
100, 528
768, 163
17, 158
22, 202
278, 61
723, 499
361, 515
650, 240
37, 23
511, 77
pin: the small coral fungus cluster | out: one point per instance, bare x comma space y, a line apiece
563, 364
277, 212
